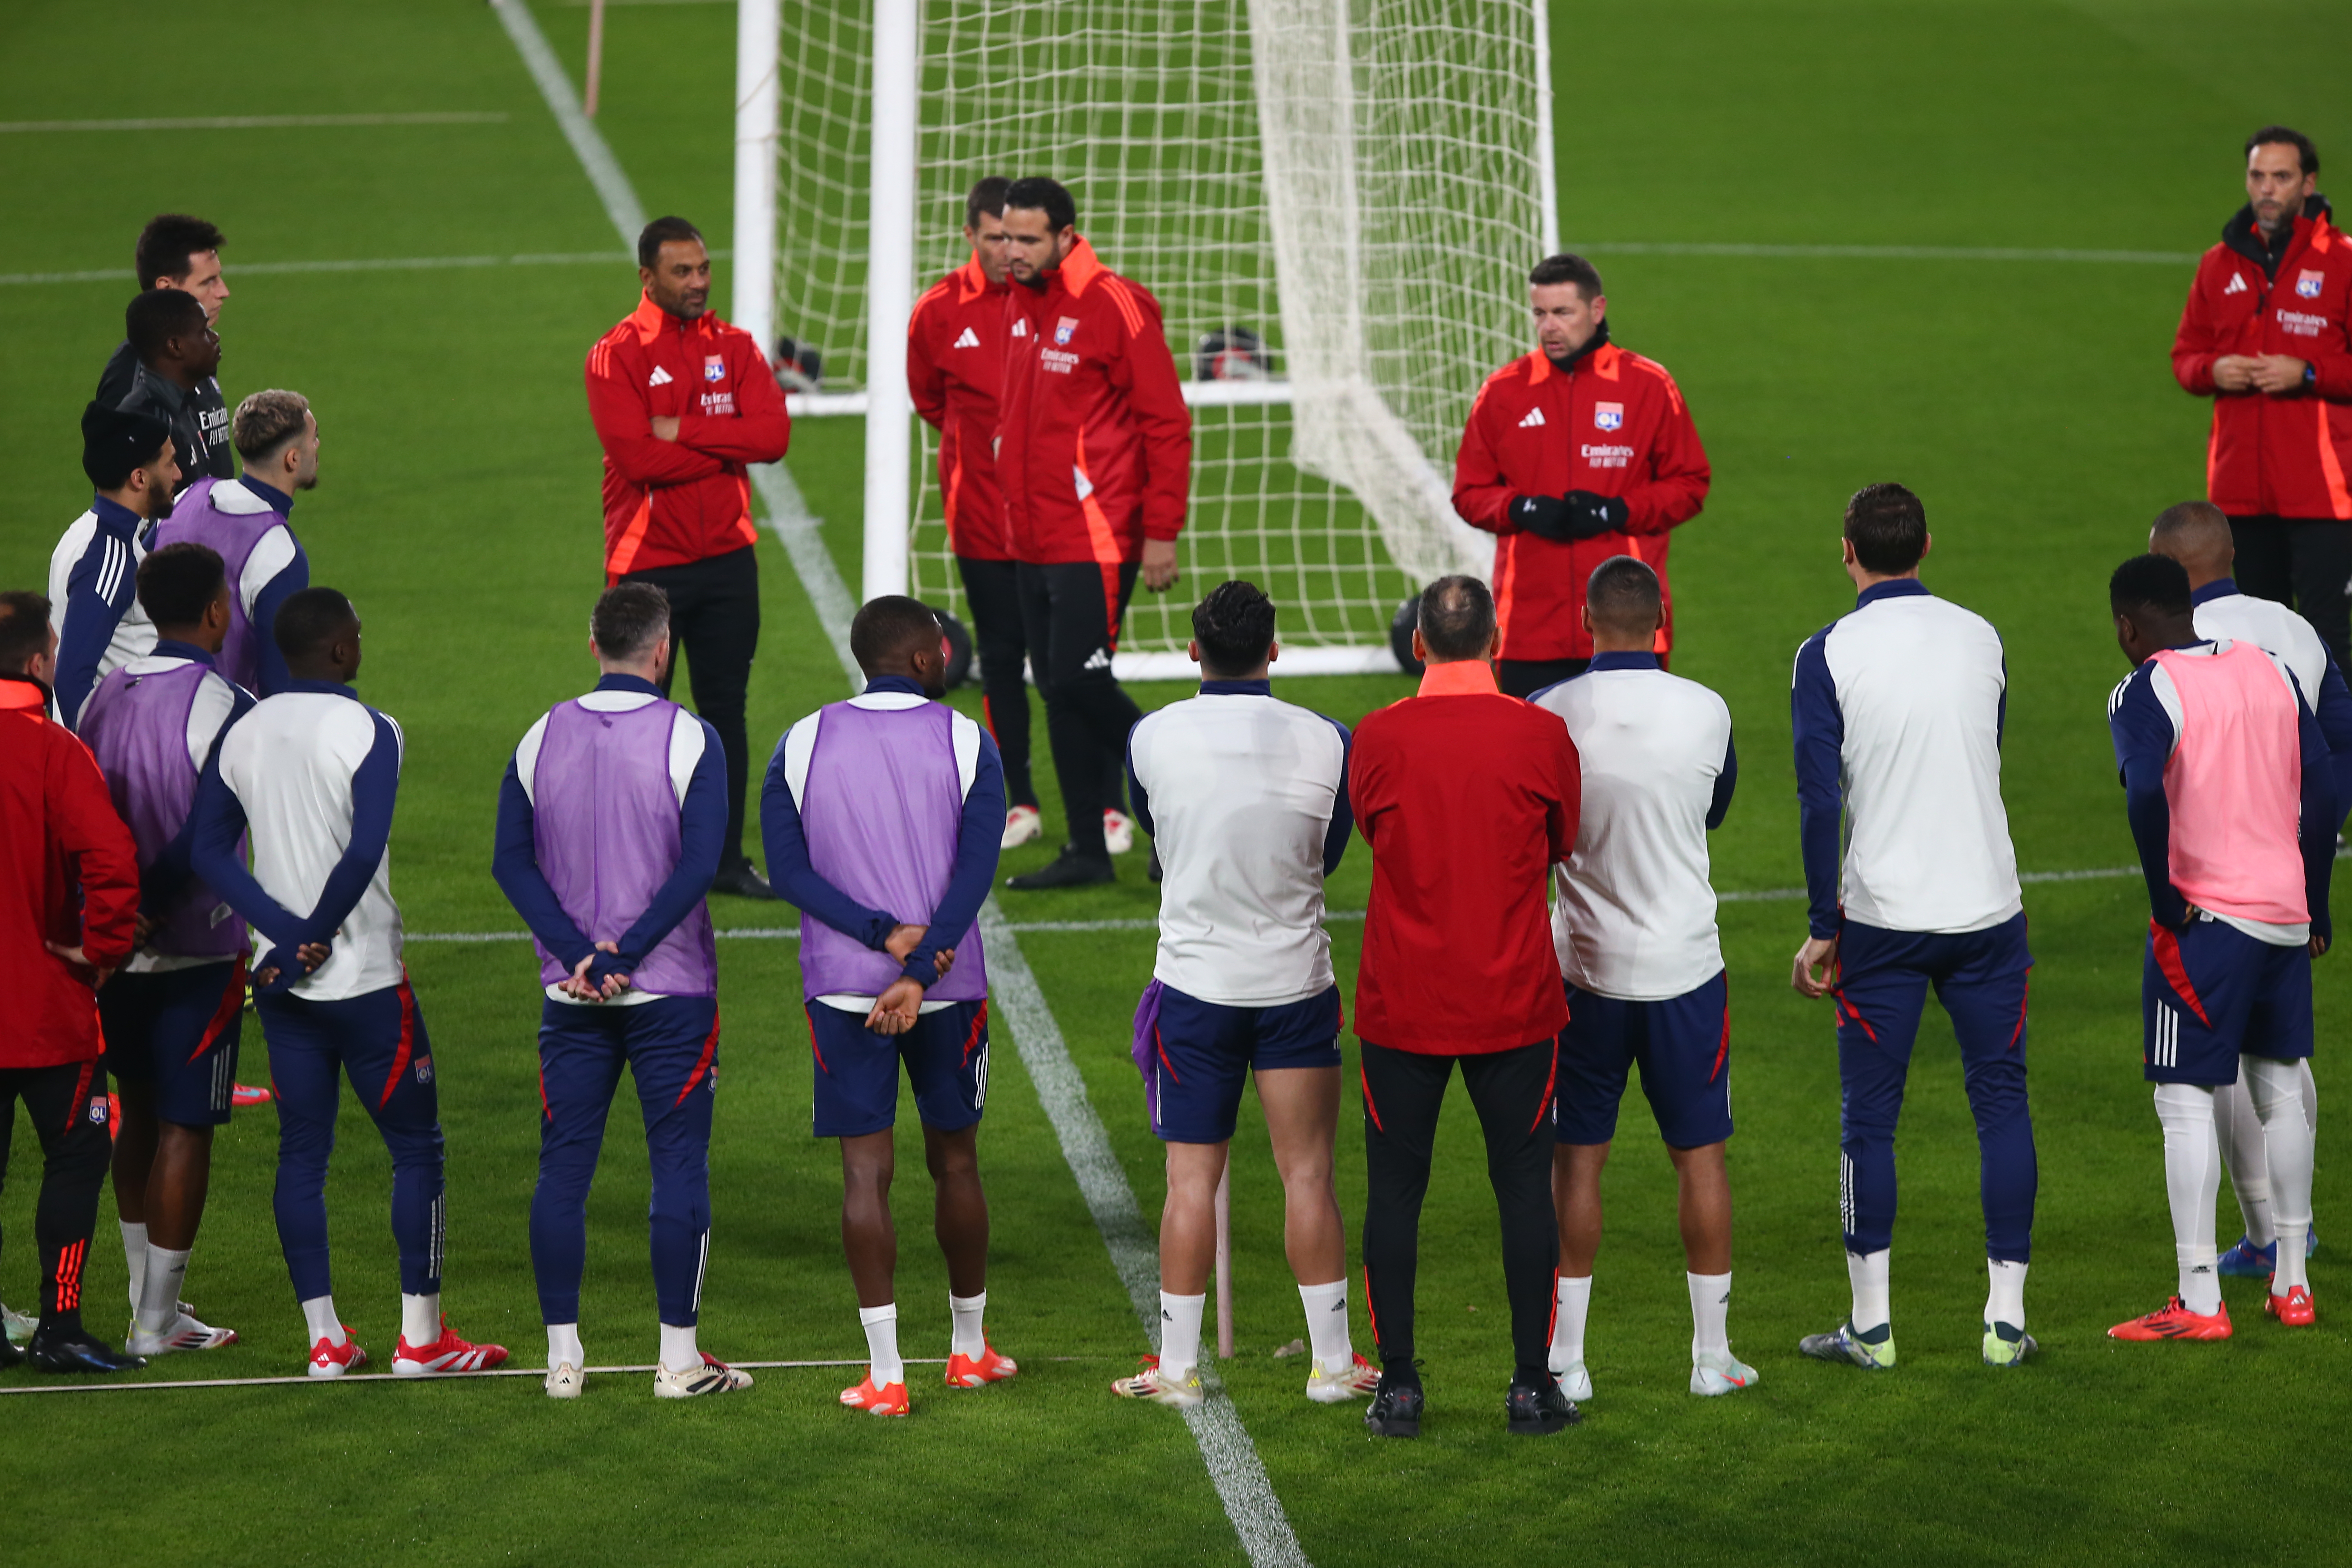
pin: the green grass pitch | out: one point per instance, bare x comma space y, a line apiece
2029, 401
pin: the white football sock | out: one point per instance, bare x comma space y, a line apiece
2005, 1300
1710, 1298
2310, 1097
2192, 1178
2239, 1133
318, 1316
563, 1346
1180, 1336
881, 1326
679, 1351
1327, 1326
134, 1253
965, 1335
159, 1289
2276, 1089
1866, 1272
420, 1319
1574, 1298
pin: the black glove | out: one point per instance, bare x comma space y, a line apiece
1546, 517
1591, 514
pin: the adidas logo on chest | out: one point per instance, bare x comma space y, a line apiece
967, 339
1534, 417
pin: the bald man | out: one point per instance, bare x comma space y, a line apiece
2196, 534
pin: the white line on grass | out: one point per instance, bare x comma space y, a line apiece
253, 121
1891, 252
1233, 1460
374, 264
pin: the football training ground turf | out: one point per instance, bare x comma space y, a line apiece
2026, 397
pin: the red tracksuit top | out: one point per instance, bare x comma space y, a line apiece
1468, 798
2283, 456
955, 368
1094, 443
667, 503
1614, 424
58, 829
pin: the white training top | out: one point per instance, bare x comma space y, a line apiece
2272, 627
214, 703
1241, 789
1635, 915
134, 633
289, 763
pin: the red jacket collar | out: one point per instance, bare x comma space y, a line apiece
972, 280
1079, 269
1603, 360
1460, 678
651, 320
22, 693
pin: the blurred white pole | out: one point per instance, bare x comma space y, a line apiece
890, 293
1547, 155
595, 56
757, 38
1225, 1264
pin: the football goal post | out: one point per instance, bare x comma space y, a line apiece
1336, 203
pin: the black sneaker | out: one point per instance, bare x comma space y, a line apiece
741, 880
73, 1350
1537, 1408
1395, 1410
1069, 869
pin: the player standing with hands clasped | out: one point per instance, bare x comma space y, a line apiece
1634, 929
1898, 709
2226, 780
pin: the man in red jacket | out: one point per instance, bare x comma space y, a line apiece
1577, 452
68, 906
2267, 335
1468, 798
1094, 458
683, 404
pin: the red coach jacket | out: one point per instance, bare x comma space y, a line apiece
1467, 798
2268, 456
955, 368
1613, 424
670, 502
57, 827
1094, 445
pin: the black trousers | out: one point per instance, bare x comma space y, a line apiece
1070, 613
1525, 676
66, 1105
992, 589
714, 620
1512, 1092
2303, 562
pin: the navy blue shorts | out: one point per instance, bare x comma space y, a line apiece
945, 1055
1195, 1055
2210, 992
177, 1029
1683, 1045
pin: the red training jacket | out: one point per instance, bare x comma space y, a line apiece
1094, 443
1467, 798
1614, 424
58, 828
2285, 455
955, 368
670, 502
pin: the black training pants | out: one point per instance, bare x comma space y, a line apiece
2303, 562
66, 1105
1525, 676
993, 589
1070, 613
1512, 1092
714, 620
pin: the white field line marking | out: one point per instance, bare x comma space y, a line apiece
1232, 1459
1893, 252
374, 264
254, 121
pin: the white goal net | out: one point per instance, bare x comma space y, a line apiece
1336, 203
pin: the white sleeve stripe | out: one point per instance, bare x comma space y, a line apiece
685, 746
799, 745
214, 701
966, 735
526, 760
2167, 697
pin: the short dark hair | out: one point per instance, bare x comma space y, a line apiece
987, 196
1234, 626
24, 630
663, 231
179, 582
889, 625
2150, 582
309, 620
1888, 526
156, 317
2307, 156
1623, 591
1038, 194
629, 619
1457, 619
169, 244
1568, 267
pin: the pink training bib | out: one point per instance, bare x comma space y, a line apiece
2235, 784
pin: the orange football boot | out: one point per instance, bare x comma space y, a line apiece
975, 1372
890, 1400
2293, 1309
2176, 1322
